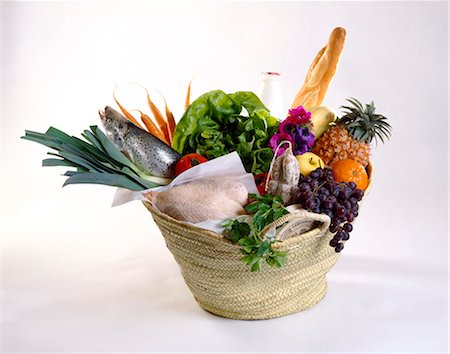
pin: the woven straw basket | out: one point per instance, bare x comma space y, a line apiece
224, 285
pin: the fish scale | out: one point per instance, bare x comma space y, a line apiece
147, 152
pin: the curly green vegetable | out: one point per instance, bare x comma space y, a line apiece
216, 124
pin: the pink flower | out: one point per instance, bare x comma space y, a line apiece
296, 128
299, 115
276, 139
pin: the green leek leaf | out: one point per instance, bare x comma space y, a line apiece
103, 178
96, 160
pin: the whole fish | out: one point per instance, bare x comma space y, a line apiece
147, 152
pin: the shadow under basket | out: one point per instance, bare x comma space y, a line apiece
223, 285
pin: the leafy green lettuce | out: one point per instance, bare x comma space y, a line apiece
217, 123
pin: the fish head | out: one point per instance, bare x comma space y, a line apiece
115, 124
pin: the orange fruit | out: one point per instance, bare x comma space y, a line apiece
349, 170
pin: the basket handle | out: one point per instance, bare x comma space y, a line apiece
298, 222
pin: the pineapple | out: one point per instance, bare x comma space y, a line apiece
351, 135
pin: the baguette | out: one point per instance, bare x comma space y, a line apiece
321, 72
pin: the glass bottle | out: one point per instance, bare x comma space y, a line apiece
271, 95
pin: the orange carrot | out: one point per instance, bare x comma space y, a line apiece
188, 96
151, 127
125, 112
170, 121
160, 121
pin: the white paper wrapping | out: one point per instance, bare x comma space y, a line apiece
227, 166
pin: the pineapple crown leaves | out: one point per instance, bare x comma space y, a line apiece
363, 124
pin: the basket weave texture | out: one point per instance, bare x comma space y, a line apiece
225, 286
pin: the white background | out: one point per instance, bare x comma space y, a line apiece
79, 276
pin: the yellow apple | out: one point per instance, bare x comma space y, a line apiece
308, 162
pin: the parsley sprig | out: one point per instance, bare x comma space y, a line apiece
246, 231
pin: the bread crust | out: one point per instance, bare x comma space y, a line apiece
321, 72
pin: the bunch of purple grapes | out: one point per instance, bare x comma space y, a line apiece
320, 193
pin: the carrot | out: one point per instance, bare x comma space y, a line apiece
151, 127
170, 121
188, 96
125, 112
160, 121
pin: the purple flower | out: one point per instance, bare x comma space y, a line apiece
307, 137
296, 128
300, 149
288, 127
276, 139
